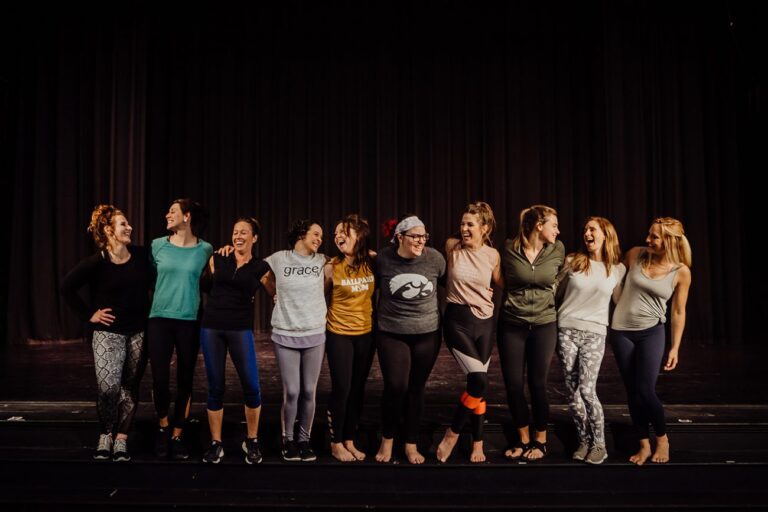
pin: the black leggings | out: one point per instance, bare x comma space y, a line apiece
349, 359
470, 340
639, 355
165, 334
530, 346
406, 361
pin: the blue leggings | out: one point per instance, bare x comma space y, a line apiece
639, 355
215, 343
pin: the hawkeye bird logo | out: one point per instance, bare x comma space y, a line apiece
410, 286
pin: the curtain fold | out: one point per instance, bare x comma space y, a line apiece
629, 110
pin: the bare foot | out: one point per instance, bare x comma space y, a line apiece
514, 453
447, 445
357, 454
643, 454
340, 453
661, 454
477, 454
385, 450
412, 454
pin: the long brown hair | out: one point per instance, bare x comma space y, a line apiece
610, 252
362, 256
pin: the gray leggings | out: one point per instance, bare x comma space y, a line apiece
299, 371
119, 361
581, 353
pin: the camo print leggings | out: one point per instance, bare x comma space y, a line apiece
581, 353
119, 360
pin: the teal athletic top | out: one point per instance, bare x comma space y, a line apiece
177, 290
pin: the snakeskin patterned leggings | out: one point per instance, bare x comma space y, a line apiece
119, 360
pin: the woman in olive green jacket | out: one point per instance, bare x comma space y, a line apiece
528, 327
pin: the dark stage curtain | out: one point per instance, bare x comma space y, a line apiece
625, 109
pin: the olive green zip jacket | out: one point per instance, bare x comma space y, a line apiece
529, 293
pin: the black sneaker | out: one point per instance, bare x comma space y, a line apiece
214, 454
306, 453
178, 449
290, 451
120, 451
252, 452
104, 448
161, 442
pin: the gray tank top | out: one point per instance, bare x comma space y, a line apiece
643, 301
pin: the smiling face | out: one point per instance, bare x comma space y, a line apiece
346, 241
175, 218
243, 237
120, 231
312, 240
472, 231
654, 240
594, 238
548, 231
412, 242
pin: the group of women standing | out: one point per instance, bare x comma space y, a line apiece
550, 302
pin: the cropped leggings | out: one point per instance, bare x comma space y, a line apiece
215, 344
470, 340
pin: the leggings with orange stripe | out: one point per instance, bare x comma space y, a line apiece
470, 340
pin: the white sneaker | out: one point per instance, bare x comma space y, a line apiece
104, 448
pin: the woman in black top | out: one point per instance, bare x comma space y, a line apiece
118, 277
228, 326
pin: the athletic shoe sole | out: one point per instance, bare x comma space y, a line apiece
247, 460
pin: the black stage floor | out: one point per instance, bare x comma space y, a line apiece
717, 414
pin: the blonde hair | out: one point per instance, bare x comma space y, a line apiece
102, 216
674, 242
485, 216
610, 252
529, 219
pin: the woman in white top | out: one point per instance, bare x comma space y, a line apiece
589, 280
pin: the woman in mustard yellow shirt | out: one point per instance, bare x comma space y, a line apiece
349, 341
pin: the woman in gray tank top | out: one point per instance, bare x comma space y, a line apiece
656, 273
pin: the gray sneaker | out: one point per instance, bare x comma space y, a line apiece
120, 451
104, 448
596, 455
581, 451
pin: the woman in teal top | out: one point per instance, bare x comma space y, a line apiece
173, 320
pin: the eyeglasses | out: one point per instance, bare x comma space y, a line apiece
417, 238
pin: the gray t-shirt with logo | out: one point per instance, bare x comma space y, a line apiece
300, 308
408, 291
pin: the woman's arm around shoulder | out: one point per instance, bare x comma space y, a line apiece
630, 258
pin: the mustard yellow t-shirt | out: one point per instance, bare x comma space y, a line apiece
351, 310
